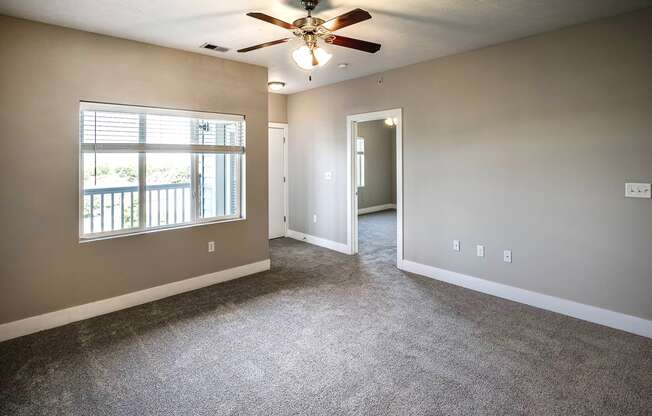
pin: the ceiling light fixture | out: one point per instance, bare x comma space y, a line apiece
311, 30
276, 85
308, 58
391, 121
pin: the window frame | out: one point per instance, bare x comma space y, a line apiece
360, 159
142, 149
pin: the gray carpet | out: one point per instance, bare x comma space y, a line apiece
323, 333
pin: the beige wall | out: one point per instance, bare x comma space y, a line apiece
277, 105
380, 161
523, 146
45, 71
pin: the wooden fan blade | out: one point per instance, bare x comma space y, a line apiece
358, 44
269, 19
264, 45
347, 19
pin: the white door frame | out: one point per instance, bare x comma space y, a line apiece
352, 200
284, 127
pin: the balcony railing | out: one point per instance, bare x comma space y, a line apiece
117, 208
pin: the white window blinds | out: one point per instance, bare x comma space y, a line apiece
115, 128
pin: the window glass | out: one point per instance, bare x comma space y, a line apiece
168, 191
219, 177
359, 147
110, 194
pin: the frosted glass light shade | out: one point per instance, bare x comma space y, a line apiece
303, 57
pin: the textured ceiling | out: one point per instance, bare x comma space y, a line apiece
410, 30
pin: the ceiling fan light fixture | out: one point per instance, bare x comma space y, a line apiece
276, 85
303, 57
391, 121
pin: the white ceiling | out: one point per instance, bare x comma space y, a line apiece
410, 30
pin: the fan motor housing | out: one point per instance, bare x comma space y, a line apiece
308, 23
310, 4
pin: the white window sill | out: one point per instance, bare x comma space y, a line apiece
83, 240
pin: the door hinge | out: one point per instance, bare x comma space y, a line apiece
283, 139
283, 179
284, 219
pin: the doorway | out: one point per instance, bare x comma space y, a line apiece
277, 176
357, 171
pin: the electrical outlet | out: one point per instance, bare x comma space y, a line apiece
507, 256
211, 246
480, 251
638, 190
314, 218
456, 245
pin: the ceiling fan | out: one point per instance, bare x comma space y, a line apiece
311, 29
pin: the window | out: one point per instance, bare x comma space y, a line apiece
148, 168
359, 148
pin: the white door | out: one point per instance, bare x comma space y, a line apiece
276, 182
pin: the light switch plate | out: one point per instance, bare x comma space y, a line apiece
507, 256
638, 190
456, 245
480, 251
328, 175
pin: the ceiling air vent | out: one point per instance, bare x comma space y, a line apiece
214, 47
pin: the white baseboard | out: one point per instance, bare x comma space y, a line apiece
582, 311
376, 208
322, 242
80, 312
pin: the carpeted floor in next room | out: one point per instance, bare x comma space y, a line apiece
324, 333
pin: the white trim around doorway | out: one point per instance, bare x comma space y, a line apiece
352, 200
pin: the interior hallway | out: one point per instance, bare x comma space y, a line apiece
324, 333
